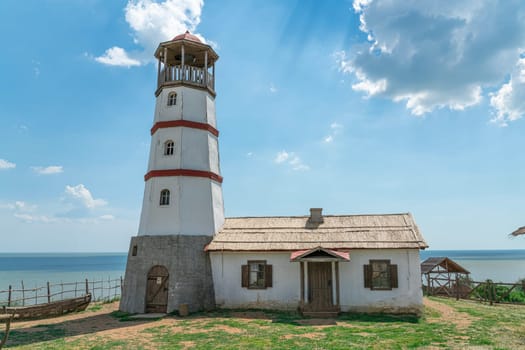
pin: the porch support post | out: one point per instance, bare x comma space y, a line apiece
301, 267
334, 287
306, 291
337, 302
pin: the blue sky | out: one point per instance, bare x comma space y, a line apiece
356, 107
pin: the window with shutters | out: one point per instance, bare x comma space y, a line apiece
257, 274
380, 275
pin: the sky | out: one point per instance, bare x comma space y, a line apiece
364, 106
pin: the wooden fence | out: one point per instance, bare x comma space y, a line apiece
101, 290
486, 291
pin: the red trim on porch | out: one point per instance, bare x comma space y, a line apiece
183, 172
186, 124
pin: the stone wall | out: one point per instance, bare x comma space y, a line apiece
189, 267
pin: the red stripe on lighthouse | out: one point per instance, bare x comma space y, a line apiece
183, 172
186, 124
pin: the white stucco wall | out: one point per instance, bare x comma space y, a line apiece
354, 297
226, 270
195, 207
196, 203
192, 104
285, 293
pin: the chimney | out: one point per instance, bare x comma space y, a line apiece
316, 215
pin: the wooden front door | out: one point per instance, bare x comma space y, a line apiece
320, 286
157, 290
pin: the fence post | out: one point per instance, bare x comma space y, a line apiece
23, 294
87, 286
9, 297
48, 293
122, 286
457, 286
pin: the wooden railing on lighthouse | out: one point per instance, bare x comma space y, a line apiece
188, 74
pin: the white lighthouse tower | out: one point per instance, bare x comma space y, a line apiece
183, 206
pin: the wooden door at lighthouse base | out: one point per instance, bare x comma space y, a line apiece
320, 286
157, 290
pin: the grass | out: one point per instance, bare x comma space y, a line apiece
499, 327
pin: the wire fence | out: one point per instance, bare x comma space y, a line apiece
101, 290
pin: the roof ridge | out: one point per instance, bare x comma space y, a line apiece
307, 216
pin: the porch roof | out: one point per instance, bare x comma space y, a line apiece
290, 233
298, 255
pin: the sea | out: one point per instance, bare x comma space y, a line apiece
36, 269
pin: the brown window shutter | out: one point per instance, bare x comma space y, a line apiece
368, 277
245, 276
393, 276
268, 275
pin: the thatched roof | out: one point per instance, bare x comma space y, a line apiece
520, 231
445, 263
335, 232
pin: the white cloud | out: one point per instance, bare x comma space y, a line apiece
297, 164
4, 164
49, 170
81, 193
19, 206
335, 128
107, 217
291, 159
36, 68
436, 54
151, 23
117, 56
509, 101
281, 157
273, 89
328, 139
35, 218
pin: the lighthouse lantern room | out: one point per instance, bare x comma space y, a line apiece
183, 206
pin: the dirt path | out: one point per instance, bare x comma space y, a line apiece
98, 323
448, 314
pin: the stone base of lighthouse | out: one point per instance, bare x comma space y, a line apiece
163, 272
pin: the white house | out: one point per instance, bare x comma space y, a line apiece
186, 252
319, 264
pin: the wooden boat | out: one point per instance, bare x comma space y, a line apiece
52, 309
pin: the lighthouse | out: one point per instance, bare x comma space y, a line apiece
183, 206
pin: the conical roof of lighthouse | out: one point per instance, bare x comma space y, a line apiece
192, 46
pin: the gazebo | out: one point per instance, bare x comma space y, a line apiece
443, 276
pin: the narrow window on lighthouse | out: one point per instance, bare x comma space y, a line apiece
164, 197
168, 148
172, 99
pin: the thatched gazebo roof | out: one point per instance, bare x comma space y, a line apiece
520, 231
443, 264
